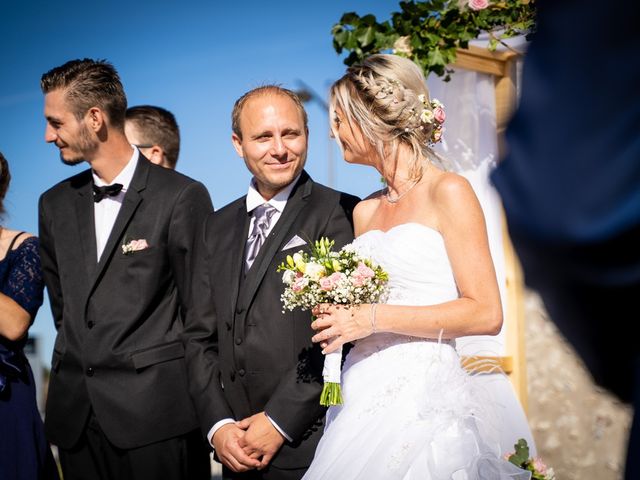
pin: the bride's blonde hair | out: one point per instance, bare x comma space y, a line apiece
385, 96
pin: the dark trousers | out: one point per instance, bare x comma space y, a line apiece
269, 473
95, 458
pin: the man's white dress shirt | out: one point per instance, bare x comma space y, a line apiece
106, 210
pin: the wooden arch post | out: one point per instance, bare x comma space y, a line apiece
502, 66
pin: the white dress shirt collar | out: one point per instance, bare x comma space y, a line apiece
125, 175
278, 201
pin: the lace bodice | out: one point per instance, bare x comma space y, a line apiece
21, 280
21, 276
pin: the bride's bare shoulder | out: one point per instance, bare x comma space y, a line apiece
364, 211
449, 186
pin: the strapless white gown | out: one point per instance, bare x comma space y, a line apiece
410, 411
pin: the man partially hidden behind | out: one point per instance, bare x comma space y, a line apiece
154, 131
116, 243
255, 375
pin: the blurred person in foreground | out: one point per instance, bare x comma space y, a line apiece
570, 185
154, 131
24, 451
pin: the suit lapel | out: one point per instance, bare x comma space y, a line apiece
236, 253
296, 202
129, 206
86, 224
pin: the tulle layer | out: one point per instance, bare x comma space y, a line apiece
410, 411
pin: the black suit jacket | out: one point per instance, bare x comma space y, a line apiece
119, 347
245, 355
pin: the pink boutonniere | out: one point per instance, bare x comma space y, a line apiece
134, 246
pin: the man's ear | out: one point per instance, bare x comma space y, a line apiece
156, 155
237, 144
95, 119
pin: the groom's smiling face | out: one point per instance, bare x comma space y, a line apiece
273, 141
72, 136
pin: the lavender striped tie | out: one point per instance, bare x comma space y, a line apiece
262, 216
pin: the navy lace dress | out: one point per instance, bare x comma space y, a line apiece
24, 451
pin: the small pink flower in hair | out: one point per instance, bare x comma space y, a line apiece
439, 115
478, 4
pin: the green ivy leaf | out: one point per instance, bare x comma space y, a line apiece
521, 455
436, 28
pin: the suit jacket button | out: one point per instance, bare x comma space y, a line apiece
90, 324
228, 326
238, 341
239, 310
232, 375
90, 372
241, 372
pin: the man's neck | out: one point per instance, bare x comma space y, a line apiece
111, 158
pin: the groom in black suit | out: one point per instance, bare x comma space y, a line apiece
116, 245
255, 376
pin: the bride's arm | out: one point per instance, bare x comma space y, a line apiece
477, 311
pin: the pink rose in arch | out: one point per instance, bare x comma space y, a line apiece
478, 4
439, 115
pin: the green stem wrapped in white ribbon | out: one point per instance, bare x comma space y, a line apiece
331, 392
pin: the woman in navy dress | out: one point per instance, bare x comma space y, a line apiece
24, 451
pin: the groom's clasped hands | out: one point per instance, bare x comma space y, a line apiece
248, 444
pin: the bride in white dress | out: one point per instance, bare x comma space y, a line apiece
410, 411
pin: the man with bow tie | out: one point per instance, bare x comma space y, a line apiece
116, 245
255, 376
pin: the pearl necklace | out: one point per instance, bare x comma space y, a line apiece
397, 199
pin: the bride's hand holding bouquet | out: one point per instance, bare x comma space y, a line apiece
340, 324
333, 285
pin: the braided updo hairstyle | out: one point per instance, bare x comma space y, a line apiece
384, 96
5, 178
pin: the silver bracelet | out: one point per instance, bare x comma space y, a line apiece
372, 317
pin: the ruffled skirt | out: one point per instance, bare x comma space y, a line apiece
410, 412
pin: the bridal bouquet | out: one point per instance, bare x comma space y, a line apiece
326, 276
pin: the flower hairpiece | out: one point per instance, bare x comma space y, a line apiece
433, 114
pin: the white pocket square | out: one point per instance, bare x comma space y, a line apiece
295, 241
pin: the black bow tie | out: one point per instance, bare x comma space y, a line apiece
107, 191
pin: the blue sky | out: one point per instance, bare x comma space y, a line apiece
194, 58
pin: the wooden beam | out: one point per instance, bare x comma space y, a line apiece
482, 60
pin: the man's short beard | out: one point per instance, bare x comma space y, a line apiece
86, 144
72, 161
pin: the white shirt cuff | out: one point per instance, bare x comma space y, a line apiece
217, 426
277, 428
